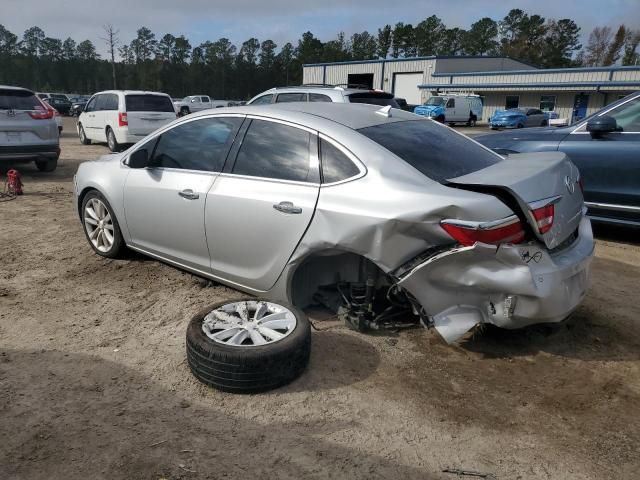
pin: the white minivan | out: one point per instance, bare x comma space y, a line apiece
123, 117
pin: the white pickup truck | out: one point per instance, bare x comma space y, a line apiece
196, 103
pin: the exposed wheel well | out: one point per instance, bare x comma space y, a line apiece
83, 194
330, 267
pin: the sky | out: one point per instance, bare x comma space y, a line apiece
285, 20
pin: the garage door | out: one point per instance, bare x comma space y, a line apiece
405, 85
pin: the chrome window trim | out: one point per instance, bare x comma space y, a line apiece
356, 161
269, 179
502, 222
613, 206
601, 114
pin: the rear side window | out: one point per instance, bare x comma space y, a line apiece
318, 97
291, 97
111, 102
263, 100
432, 149
101, 102
336, 166
197, 145
148, 103
19, 100
205, 99
274, 150
374, 98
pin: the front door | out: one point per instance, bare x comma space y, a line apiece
165, 203
258, 210
610, 164
580, 104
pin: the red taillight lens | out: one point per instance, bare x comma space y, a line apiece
544, 218
122, 119
42, 111
509, 232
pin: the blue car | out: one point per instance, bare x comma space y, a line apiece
434, 108
606, 149
518, 118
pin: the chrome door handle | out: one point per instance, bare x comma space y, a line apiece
188, 194
287, 207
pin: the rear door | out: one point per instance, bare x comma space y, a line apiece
146, 112
164, 203
258, 210
610, 164
17, 125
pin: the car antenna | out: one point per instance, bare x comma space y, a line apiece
385, 111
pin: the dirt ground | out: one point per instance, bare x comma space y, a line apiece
94, 382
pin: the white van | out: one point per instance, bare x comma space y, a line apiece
452, 108
123, 117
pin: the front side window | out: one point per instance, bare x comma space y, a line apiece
148, 103
511, 101
433, 150
547, 103
628, 115
451, 103
91, 106
336, 166
263, 100
197, 145
291, 97
274, 150
318, 97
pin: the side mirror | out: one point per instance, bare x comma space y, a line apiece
138, 159
603, 124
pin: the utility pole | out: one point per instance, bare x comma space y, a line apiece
112, 42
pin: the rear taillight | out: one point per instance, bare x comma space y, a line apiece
544, 217
42, 111
122, 119
494, 233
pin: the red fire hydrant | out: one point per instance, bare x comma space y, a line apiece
14, 183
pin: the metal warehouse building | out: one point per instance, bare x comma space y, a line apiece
501, 82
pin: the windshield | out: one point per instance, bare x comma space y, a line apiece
437, 101
432, 149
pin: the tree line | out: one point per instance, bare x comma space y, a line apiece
221, 69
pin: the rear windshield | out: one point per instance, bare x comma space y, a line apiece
374, 98
19, 100
433, 149
148, 103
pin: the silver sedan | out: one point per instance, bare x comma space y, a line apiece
368, 211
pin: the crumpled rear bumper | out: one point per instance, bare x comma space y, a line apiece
510, 286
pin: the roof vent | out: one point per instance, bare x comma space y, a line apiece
385, 111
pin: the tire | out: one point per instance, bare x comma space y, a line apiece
544, 123
520, 125
48, 165
440, 119
472, 121
83, 137
184, 111
248, 368
112, 143
117, 245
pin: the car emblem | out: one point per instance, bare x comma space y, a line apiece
571, 185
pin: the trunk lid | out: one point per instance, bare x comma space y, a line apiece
533, 180
148, 112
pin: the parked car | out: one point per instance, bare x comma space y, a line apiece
78, 104
402, 103
452, 109
352, 204
197, 103
28, 131
518, 118
324, 93
57, 117
123, 117
61, 103
605, 148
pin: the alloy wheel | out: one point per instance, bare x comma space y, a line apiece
98, 225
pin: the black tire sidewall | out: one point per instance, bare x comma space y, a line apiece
48, 165
118, 240
115, 147
83, 136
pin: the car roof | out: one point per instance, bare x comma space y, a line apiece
17, 89
319, 115
132, 92
324, 88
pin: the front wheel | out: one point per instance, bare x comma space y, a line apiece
440, 118
544, 123
520, 125
184, 111
83, 136
101, 226
113, 144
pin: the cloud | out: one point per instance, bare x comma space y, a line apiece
283, 20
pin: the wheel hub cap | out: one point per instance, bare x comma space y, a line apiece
98, 225
249, 323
